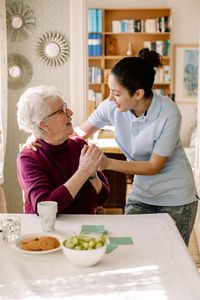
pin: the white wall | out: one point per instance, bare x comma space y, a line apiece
44, 11
185, 30
79, 61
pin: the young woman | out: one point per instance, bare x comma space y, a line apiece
147, 128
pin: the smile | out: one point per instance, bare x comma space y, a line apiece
69, 123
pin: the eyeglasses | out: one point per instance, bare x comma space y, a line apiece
63, 109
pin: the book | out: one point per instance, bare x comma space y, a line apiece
90, 44
159, 91
97, 44
95, 20
99, 20
116, 26
162, 47
137, 25
150, 25
90, 20
167, 23
94, 75
110, 45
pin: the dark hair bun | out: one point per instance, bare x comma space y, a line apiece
151, 57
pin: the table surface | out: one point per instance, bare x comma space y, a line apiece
157, 266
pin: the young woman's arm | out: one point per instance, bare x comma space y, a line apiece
85, 130
150, 167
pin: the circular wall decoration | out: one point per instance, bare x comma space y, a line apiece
20, 20
20, 71
53, 49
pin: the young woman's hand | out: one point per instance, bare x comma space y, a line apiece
103, 164
31, 143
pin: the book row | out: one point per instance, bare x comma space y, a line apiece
145, 25
95, 20
159, 92
162, 75
95, 97
94, 75
94, 44
162, 47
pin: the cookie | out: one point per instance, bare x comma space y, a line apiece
34, 245
25, 241
40, 244
46, 243
57, 243
25, 247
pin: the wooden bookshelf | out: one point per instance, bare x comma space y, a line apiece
137, 39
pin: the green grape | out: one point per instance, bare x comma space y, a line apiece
98, 238
85, 242
98, 245
92, 243
85, 245
78, 247
86, 238
80, 237
68, 244
75, 240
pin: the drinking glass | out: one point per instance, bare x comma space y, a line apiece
47, 213
11, 228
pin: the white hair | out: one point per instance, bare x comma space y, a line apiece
34, 106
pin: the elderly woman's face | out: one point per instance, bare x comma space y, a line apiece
59, 125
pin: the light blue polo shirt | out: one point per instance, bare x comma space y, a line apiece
156, 132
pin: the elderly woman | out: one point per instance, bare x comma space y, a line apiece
64, 168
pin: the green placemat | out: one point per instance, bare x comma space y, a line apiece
110, 248
124, 240
93, 229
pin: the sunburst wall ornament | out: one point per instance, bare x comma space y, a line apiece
20, 20
53, 49
20, 71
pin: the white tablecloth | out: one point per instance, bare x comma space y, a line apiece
158, 266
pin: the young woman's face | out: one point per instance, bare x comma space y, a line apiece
120, 96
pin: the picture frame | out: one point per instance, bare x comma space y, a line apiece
185, 72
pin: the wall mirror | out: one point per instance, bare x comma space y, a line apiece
20, 20
15, 71
20, 71
53, 49
16, 22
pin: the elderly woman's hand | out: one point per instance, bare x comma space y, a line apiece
90, 159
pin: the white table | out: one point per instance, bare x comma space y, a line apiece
158, 266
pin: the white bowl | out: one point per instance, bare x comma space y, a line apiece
84, 258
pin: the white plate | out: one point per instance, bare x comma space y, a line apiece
16, 244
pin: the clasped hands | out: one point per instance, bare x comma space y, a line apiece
92, 159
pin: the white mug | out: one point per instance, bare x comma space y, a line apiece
47, 213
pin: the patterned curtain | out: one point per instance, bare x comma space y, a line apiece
3, 98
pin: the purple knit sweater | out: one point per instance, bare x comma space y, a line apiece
41, 175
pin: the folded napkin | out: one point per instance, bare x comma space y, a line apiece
121, 240
93, 229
